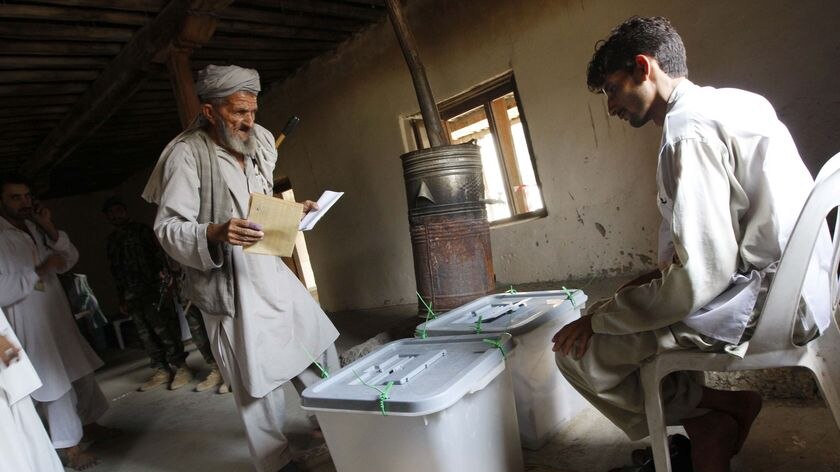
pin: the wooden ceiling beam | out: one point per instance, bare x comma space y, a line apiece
148, 6
118, 82
41, 32
320, 7
222, 41
51, 62
70, 14
279, 31
41, 76
28, 102
42, 89
291, 19
59, 48
258, 54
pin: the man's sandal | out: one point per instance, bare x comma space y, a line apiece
679, 448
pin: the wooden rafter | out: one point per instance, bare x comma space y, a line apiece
115, 85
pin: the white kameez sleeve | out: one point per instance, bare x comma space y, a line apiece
176, 226
66, 248
704, 243
16, 286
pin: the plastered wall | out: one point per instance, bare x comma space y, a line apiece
595, 171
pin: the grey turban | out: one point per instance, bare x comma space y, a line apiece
222, 81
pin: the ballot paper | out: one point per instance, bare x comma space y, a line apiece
327, 200
279, 220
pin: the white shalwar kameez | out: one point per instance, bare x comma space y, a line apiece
40, 316
24, 443
278, 329
731, 185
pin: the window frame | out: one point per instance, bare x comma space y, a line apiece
483, 95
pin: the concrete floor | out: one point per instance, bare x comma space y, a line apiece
187, 431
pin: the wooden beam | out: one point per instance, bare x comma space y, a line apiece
285, 18
42, 76
69, 14
222, 41
118, 82
320, 7
149, 6
49, 62
42, 89
253, 54
279, 31
59, 48
18, 30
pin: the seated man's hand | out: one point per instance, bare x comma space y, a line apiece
574, 337
236, 231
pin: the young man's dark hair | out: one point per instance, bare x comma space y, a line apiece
13, 178
653, 36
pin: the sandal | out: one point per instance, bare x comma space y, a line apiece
679, 448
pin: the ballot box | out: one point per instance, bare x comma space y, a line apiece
443, 404
545, 401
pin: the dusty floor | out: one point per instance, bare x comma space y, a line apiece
187, 431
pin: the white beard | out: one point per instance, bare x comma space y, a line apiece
232, 142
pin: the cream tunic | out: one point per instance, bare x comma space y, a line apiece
42, 319
731, 185
279, 328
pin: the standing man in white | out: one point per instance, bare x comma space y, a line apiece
264, 327
25, 445
32, 251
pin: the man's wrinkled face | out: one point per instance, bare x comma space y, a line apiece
16, 201
627, 98
234, 122
116, 215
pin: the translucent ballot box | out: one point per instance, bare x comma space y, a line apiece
444, 404
545, 401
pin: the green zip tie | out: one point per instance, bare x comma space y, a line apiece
324, 372
384, 394
429, 312
570, 297
497, 344
421, 333
511, 290
478, 325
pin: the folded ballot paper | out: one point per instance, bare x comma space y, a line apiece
280, 221
325, 202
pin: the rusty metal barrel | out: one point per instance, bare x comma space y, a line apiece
450, 235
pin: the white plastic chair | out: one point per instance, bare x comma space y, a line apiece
771, 346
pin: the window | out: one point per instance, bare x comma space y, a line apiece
490, 115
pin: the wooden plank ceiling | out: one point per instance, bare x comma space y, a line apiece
85, 86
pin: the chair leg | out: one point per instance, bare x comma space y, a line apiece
651, 384
826, 368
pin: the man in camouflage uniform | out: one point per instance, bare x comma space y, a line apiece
138, 266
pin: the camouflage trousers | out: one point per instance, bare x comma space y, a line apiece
199, 334
159, 330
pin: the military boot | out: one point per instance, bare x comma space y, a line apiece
160, 377
183, 375
213, 379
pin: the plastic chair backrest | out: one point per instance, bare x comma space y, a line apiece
775, 325
831, 167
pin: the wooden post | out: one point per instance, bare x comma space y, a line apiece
428, 108
183, 86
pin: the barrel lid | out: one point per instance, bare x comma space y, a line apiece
418, 376
514, 313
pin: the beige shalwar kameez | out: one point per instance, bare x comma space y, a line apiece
278, 329
730, 188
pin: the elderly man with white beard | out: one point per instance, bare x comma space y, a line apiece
264, 327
